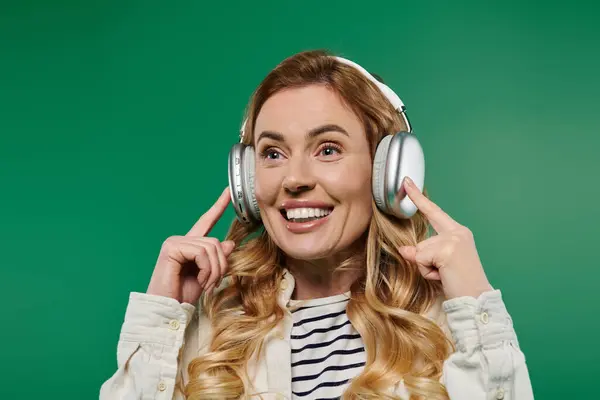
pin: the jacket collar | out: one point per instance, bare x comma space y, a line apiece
286, 288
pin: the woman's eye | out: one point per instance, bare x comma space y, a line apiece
271, 154
329, 150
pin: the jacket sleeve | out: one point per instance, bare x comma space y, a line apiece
488, 362
148, 352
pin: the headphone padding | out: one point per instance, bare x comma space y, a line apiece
248, 184
379, 172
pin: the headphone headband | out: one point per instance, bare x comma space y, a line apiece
385, 89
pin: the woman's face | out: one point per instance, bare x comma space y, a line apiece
313, 172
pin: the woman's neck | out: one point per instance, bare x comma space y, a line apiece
323, 278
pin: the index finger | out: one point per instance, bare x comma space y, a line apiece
440, 221
206, 222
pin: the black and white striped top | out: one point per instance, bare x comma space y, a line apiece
326, 349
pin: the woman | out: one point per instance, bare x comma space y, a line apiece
331, 297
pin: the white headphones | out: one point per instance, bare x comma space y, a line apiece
398, 155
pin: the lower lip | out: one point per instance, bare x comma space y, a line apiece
303, 227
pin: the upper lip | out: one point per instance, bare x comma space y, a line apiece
290, 204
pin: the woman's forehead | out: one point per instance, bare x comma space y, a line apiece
297, 111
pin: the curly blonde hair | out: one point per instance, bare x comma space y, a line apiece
388, 301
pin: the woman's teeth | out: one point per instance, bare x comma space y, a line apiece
306, 214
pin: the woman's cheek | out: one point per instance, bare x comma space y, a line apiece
347, 179
266, 186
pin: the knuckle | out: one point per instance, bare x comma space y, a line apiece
447, 252
212, 240
455, 238
172, 242
465, 232
200, 261
213, 245
210, 250
420, 258
200, 258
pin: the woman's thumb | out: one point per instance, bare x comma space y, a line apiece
227, 247
408, 252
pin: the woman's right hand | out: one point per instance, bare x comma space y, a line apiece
189, 264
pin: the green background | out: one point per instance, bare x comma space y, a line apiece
116, 118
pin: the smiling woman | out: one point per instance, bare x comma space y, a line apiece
322, 143
342, 294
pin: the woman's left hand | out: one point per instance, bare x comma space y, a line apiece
449, 256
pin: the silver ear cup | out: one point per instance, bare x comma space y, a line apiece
405, 158
397, 156
241, 183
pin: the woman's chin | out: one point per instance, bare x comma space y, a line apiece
306, 249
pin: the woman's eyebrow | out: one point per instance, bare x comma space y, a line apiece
326, 128
278, 137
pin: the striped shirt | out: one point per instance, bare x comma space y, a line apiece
326, 349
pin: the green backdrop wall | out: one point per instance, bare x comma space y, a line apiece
116, 118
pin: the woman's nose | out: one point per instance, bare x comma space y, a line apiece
299, 177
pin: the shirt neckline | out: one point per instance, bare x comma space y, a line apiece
320, 301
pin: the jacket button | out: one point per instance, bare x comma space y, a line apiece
484, 317
500, 394
174, 324
162, 386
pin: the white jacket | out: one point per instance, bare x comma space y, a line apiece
160, 336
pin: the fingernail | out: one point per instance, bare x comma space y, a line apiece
408, 181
